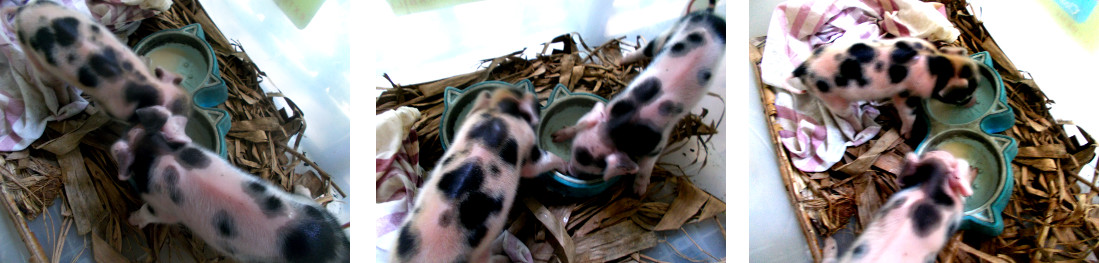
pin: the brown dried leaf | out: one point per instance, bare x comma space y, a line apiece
686, 205
615, 242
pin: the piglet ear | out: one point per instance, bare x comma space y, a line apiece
152, 118
484, 100
619, 164
962, 178
175, 129
596, 115
167, 76
910, 161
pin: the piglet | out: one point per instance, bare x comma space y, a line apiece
238, 214
463, 205
918, 220
77, 50
626, 135
904, 69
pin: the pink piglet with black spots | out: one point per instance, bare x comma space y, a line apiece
917, 221
70, 46
463, 206
907, 70
237, 213
627, 135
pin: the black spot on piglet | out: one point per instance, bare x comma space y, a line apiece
902, 53
861, 52
150, 118
704, 76
582, 157
510, 152
143, 95
669, 108
822, 85
851, 69
800, 70
926, 217
175, 194
43, 41
474, 211
193, 158
312, 241
897, 73
272, 205
622, 108
224, 224
105, 64
858, 251
511, 107
646, 90
535, 154
467, 178
255, 187
634, 138
66, 30
491, 131
407, 243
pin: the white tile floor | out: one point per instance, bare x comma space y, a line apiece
1039, 44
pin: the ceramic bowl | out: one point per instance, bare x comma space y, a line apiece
564, 109
185, 52
970, 134
458, 102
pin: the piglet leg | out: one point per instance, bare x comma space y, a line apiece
122, 154
641, 182
906, 110
541, 161
147, 215
842, 108
586, 122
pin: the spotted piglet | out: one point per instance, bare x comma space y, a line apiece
904, 69
918, 220
462, 207
73, 48
238, 214
626, 135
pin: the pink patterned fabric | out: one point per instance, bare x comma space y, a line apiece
815, 138
398, 174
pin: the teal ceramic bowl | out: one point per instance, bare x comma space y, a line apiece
970, 134
458, 102
564, 109
203, 129
185, 52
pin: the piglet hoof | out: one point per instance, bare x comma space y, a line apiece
562, 135
139, 220
301, 190
640, 188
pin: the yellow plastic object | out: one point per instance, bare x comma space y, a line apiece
300, 12
404, 7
